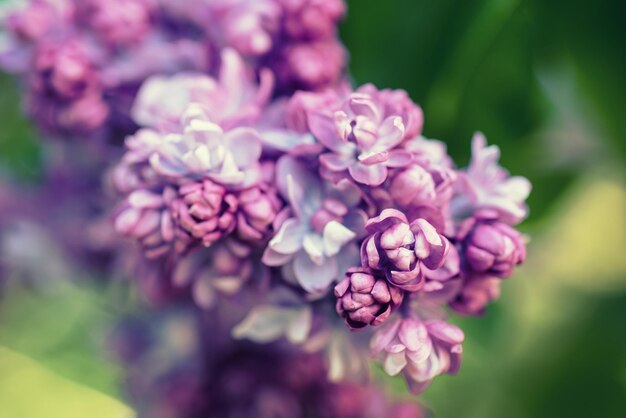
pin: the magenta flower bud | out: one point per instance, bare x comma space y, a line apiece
365, 299
37, 19
118, 22
491, 247
421, 350
64, 70
145, 216
205, 210
401, 250
312, 19
310, 65
258, 207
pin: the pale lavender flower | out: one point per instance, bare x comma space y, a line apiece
317, 237
366, 299
401, 250
205, 150
232, 99
363, 137
421, 350
486, 185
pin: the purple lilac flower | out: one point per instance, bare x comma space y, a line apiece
363, 136
486, 185
365, 299
421, 350
401, 250
317, 238
489, 246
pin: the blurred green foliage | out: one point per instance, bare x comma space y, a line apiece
545, 80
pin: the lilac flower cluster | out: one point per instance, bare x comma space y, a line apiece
322, 190
82, 61
256, 183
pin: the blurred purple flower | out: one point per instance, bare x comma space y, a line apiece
147, 217
475, 293
233, 99
364, 299
422, 350
401, 250
118, 22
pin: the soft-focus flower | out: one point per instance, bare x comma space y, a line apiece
64, 91
401, 249
117, 22
312, 19
233, 99
219, 271
317, 236
146, 217
246, 25
475, 293
309, 65
490, 246
201, 372
422, 350
362, 137
486, 185
364, 299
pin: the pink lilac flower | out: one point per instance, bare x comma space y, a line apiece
401, 250
421, 350
366, 299
317, 238
486, 185
362, 136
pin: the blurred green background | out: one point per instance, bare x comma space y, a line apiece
546, 81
